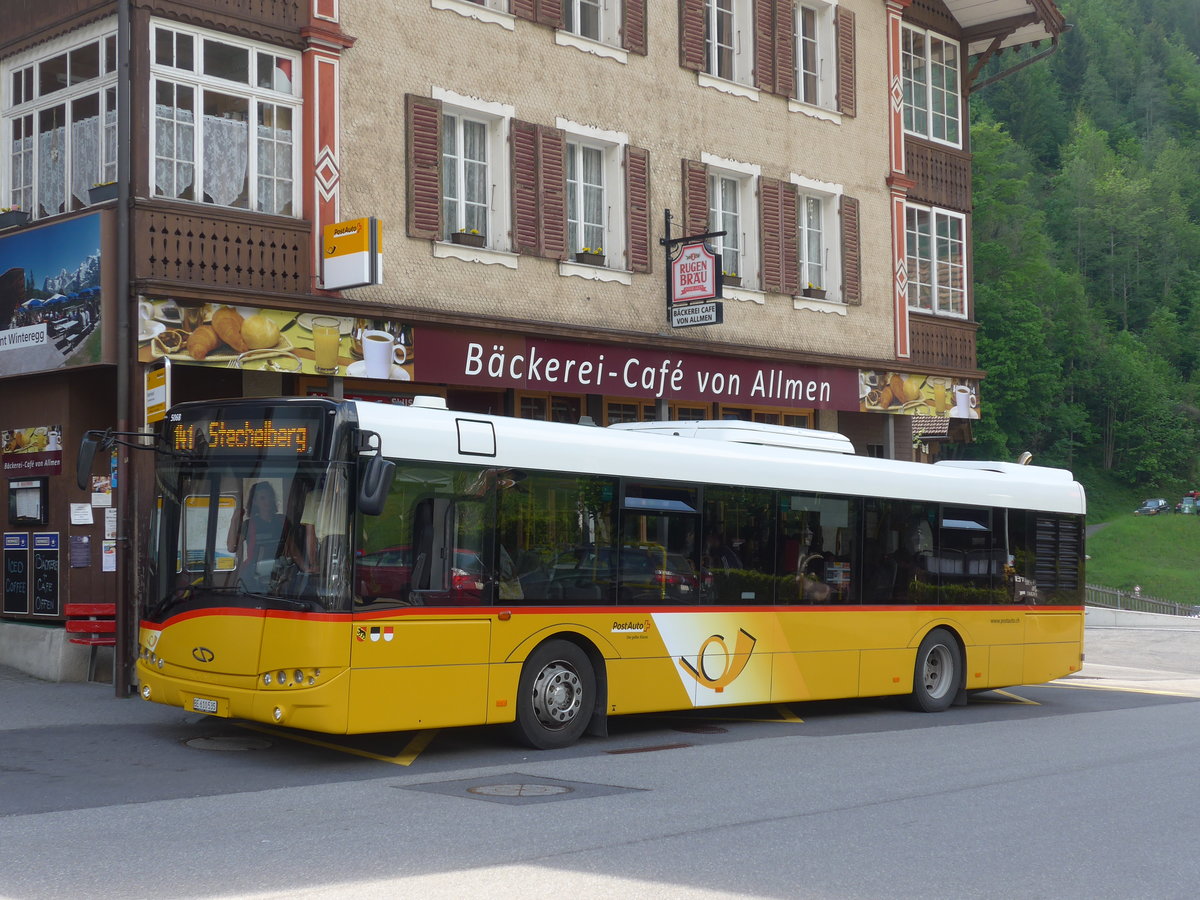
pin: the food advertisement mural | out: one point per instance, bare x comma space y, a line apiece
909, 394
36, 450
274, 340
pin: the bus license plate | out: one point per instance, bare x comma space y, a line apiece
204, 705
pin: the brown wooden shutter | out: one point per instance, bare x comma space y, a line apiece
780, 236
423, 152
771, 229
695, 197
637, 209
550, 12
785, 48
524, 9
851, 253
691, 34
525, 198
552, 174
764, 45
847, 94
633, 26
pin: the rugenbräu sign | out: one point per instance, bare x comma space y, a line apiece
513, 361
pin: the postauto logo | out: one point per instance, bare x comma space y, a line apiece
715, 667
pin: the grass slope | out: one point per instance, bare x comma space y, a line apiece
1160, 553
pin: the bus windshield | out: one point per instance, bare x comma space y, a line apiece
264, 535
253, 508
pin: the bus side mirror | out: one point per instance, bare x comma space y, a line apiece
87, 454
373, 488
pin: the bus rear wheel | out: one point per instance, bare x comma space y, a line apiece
556, 695
937, 673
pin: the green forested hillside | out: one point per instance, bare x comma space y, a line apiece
1087, 249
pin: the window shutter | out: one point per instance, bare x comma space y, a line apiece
524, 138
423, 150
550, 12
780, 236
847, 96
695, 197
789, 237
552, 174
633, 26
691, 34
524, 9
769, 212
785, 48
851, 253
764, 45
637, 208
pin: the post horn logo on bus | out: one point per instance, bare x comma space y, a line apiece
731, 668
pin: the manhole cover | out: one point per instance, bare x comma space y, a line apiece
519, 790
228, 743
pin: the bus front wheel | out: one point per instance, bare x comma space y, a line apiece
556, 696
937, 673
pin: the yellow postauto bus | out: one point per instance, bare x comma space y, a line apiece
349, 567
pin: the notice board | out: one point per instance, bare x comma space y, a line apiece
46, 600
16, 572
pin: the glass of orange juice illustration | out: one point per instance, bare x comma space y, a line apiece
327, 340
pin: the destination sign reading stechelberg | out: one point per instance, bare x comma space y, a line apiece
513, 361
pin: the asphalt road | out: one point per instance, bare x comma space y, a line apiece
1080, 789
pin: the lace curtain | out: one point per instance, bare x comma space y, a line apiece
226, 155
52, 170
85, 156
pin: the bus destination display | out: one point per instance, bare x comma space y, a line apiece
245, 435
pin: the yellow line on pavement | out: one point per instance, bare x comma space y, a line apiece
404, 758
1011, 696
1118, 687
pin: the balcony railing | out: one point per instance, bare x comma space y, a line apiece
942, 343
214, 247
942, 174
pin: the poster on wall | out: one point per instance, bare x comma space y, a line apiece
50, 297
45, 574
34, 450
274, 340
913, 394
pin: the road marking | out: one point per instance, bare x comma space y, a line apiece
405, 757
1117, 687
1009, 694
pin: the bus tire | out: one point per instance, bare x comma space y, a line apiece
556, 696
938, 672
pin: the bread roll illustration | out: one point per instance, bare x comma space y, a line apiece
202, 342
260, 332
227, 322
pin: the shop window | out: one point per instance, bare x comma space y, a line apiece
550, 407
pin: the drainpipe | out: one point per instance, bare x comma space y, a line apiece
127, 577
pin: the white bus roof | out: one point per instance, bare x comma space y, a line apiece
732, 453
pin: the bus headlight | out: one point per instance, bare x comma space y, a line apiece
145, 692
277, 714
267, 679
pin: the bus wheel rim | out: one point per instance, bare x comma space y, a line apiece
938, 671
557, 695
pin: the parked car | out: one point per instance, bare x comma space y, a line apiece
1152, 507
1189, 504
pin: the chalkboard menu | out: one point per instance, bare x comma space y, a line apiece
16, 573
45, 574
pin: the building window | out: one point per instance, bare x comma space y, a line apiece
585, 18
930, 67
585, 198
60, 119
225, 119
814, 54
464, 175
728, 52
936, 257
814, 243
727, 211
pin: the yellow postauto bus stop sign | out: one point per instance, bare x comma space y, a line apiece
352, 254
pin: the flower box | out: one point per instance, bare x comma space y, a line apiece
732, 280
102, 192
13, 218
467, 239
589, 259
815, 293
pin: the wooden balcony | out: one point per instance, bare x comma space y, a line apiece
215, 248
942, 174
947, 344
